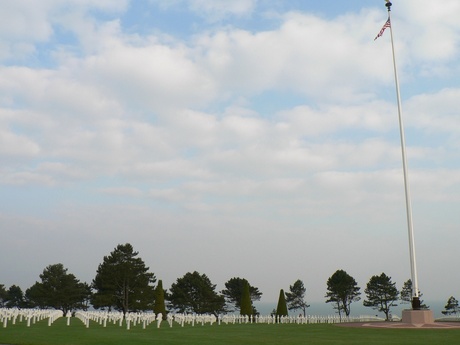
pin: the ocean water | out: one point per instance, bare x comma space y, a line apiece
357, 308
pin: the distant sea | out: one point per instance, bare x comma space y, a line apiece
357, 308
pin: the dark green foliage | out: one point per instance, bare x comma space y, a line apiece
381, 294
123, 282
342, 290
58, 289
281, 309
451, 307
3, 295
406, 294
14, 297
194, 293
233, 293
159, 306
295, 298
246, 304
35, 296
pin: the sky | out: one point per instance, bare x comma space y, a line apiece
244, 138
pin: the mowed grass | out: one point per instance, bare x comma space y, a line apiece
77, 334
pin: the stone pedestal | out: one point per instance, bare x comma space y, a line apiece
417, 317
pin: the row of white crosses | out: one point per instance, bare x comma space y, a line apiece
193, 319
309, 319
12, 315
131, 319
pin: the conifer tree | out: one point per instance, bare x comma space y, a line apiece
342, 290
451, 307
281, 309
123, 282
381, 294
159, 306
194, 293
246, 305
234, 291
295, 298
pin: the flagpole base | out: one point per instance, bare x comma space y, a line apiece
417, 317
416, 304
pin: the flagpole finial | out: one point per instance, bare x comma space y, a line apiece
388, 5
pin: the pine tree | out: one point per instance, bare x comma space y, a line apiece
295, 298
281, 309
381, 294
194, 293
406, 294
246, 305
123, 282
59, 290
342, 290
234, 291
451, 307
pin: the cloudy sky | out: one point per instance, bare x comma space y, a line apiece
243, 138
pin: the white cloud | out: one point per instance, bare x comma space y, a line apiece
23, 23
12, 144
303, 120
437, 112
122, 191
213, 10
320, 58
431, 30
151, 75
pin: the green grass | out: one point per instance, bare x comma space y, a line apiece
77, 334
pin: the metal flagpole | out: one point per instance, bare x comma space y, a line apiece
413, 265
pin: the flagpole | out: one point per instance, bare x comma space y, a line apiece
413, 264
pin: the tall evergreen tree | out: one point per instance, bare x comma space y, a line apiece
234, 290
3, 295
406, 294
342, 290
246, 304
381, 294
15, 297
295, 298
58, 289
281, 309
123, 282
451, 307
194, 293
159, 306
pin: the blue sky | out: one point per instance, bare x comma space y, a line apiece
245, 138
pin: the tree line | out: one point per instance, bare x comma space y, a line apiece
124, 283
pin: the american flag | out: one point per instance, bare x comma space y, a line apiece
386, 25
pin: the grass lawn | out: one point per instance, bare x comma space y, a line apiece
77, 334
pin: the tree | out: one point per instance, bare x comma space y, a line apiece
406, 294
281, 308
451, 306
15, 297
296, 297
159, 306
35, 296
234, 291
342, 290
246, 304
123, 282
58, 289
194, 293
381, 294
3, 295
